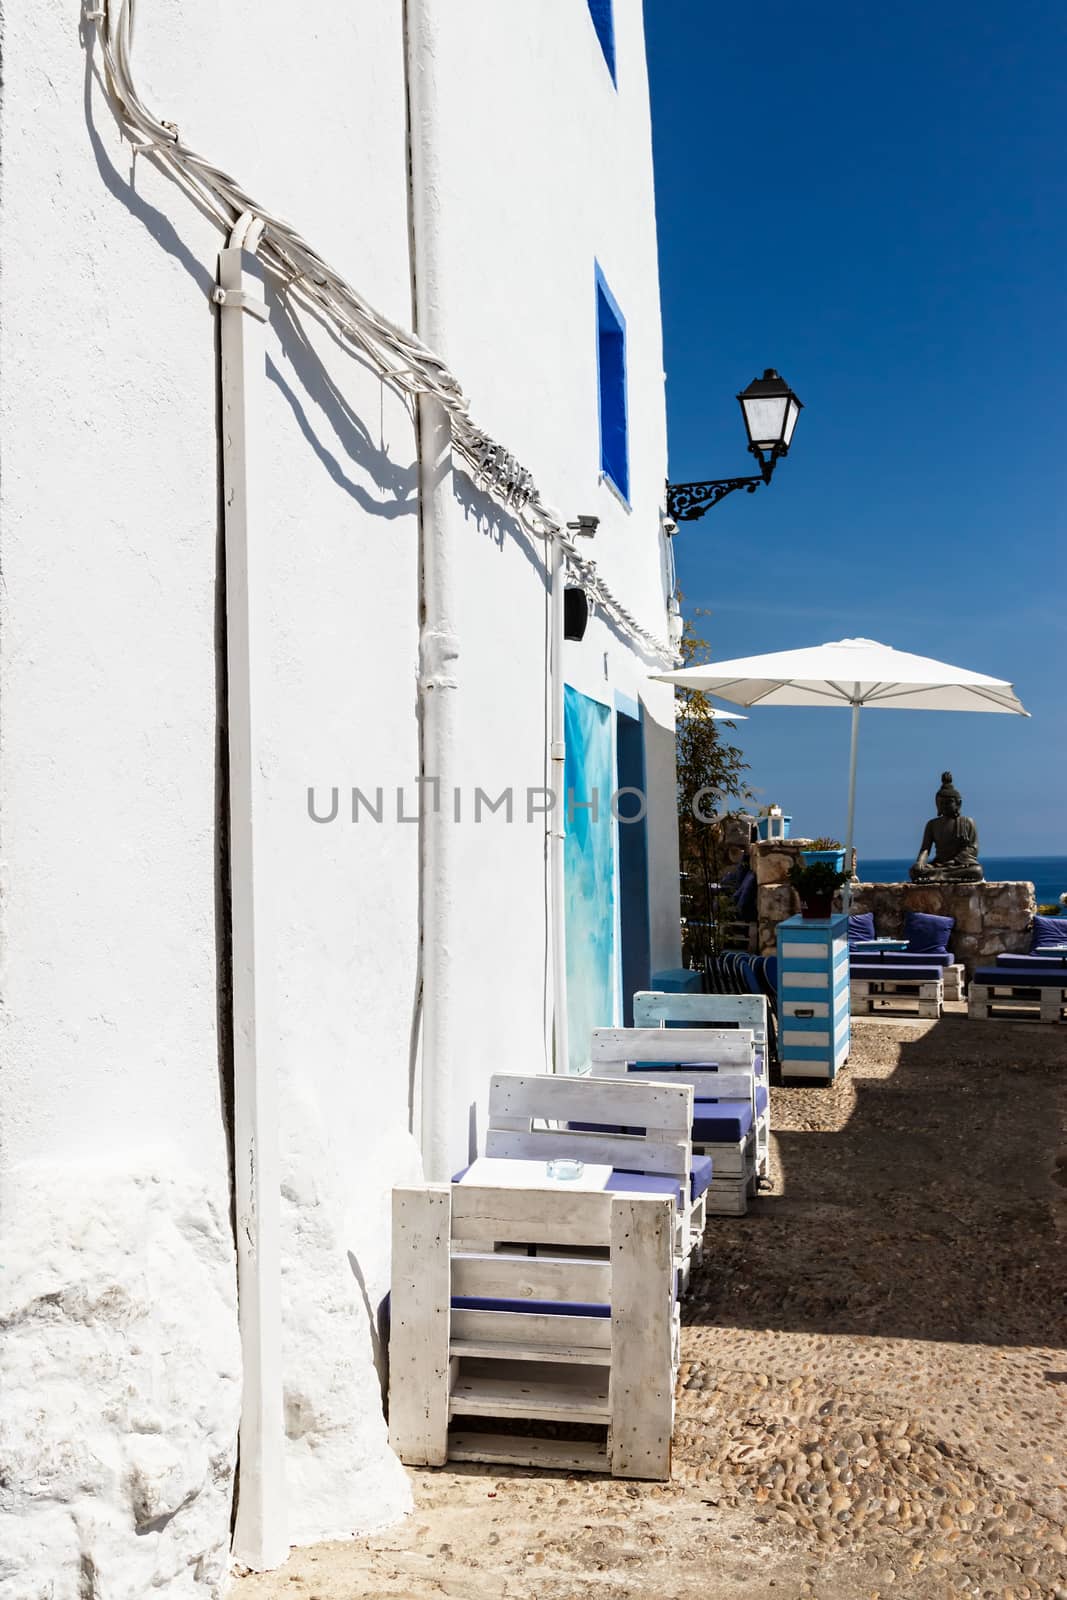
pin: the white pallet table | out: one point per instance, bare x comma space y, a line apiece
874, 995
447, 1363
954, 981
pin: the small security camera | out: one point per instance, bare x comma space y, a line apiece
584, 526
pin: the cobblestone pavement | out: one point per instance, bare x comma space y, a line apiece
873, 1385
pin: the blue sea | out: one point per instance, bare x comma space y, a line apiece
1048, 874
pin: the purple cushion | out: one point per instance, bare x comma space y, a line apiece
902, 958
861, 926
1048, 975
883, 974
721, 1121
1048, 930
701, 1176
926, 934
623, 1182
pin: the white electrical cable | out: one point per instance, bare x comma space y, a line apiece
402, 359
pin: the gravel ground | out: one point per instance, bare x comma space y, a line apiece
873, 1382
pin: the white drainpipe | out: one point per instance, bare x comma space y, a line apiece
438, 641
260, 1536
557, 815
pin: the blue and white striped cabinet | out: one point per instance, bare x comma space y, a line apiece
813, 1007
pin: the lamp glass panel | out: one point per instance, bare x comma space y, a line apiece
790, 421
764, 416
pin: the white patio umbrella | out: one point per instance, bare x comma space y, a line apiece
850, 672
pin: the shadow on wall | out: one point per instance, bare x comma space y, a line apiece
929, 1215
354, 438
158, 225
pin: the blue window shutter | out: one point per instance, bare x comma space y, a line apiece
603, 17
611, 376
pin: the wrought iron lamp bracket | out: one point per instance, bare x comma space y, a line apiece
687, 501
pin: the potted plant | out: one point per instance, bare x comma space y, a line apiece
825, 849
816, 884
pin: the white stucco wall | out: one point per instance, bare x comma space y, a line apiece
543, 168
121, 1371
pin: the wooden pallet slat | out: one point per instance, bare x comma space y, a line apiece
515, 1450
642, 1328
420, 1362
534, 1391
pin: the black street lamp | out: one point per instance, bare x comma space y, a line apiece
770, 409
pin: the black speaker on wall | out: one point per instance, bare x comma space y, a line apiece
575, 613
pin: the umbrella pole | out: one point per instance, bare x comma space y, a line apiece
847, 896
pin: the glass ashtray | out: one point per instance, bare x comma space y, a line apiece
564, 1167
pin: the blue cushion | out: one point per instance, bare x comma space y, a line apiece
1035, 959
1048, 930
861, 926
701, 1176
1048, 976
926, 934
761, 1099
880, 974
625, 1182
721, 1121
548, 1308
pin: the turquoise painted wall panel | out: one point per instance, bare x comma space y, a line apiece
589, 873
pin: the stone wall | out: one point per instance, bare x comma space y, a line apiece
991, 918
771, 860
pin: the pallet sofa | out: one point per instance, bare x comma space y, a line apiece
1029, 986
1022, 990
904, 963
718, 1063
643, 1131
581, 1332
654, 1009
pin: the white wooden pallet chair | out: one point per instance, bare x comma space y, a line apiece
642, 1130
477, 1329
653, 1009
718, 1063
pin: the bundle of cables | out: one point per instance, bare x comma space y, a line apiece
403, 361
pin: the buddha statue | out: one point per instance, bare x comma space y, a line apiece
954, 840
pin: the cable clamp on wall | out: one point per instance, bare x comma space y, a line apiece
240, 301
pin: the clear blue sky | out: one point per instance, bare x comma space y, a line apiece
874, 201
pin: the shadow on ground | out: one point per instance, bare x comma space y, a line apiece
915, 1198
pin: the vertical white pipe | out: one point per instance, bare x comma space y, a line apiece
557, 817
847, 895
438, 650
260, 1534
438, 642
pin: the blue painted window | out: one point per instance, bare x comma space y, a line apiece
603, 15
611, 377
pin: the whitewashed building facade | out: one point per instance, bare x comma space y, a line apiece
183, 940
